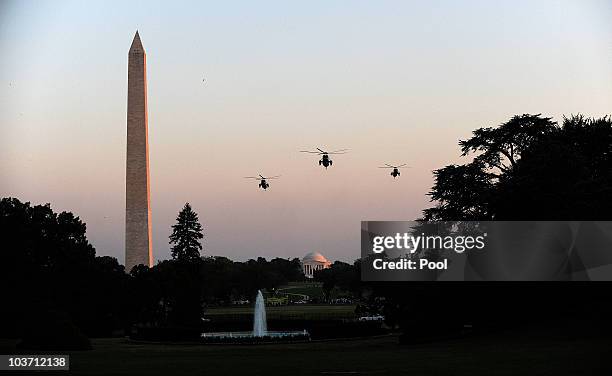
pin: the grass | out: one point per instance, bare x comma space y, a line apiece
306, 311
312, 290
532, 352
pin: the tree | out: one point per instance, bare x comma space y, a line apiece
502, 147
463, 192
565, 176
186, 235
466, 192
527, 169
339, 275
55, 285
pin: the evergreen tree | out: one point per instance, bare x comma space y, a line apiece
186, 235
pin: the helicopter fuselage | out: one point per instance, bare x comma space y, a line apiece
325, 161
395, 173
264, 184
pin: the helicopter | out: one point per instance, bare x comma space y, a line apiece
263, 184
395, 173
325, 160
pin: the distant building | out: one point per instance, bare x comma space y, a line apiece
314, 261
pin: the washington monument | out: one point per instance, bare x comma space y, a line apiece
138, 248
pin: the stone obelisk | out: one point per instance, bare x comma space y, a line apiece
138, 248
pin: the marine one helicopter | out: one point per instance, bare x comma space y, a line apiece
263, 184
395, 173
325, 160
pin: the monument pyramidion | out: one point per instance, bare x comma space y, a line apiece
138, 247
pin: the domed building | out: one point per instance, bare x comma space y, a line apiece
314, 261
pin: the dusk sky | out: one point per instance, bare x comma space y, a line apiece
394, 81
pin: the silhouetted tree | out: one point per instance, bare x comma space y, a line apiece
146, 302
186, 235
529, 168
50, 275
565, 176
224, 280
465, 192
341, 275
181, 290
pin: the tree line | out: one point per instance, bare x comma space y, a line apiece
54, 284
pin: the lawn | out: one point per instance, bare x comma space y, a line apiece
532, 352
305, 311
312, 290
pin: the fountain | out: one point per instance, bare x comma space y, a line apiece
260, 331
260, 326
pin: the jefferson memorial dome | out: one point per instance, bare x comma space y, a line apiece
314, 261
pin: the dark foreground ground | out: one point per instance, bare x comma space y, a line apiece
514, 352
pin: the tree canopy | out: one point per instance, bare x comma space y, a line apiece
51, 273
186, 235
529, 168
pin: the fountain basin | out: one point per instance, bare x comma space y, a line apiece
260, 333
249, 337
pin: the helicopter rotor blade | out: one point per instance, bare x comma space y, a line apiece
339, 151
320, 150
252, 177
403, 165
311, 152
